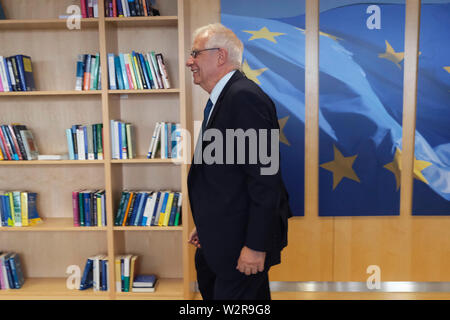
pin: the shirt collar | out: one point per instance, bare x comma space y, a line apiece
215, 93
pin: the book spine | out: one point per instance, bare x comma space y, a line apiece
149, 72
143, 69
14, 141
10, 142
21, 71
112, 72
123, 136
94, 140
126, 77
76, 209
12, 78
87, 72
152, 217
173, 211
15, 69
3, 75
100, 141
152, 70
6, 73
118, 72
70, 144
157, 71
129, 65
135, 70
178, 214
24, 208
162, 67
83, 8
90, 142
81, 208
5, 145
17, 209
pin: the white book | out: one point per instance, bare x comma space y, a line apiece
11, 74
80, 144
53, 157
93, 72
5, 281
178, 141
157, 141
112, 72
152, 207
153, 72
152, 142
126, 10
156, 69
113, 140
116, 140
162, 67
163, 140
95, 4
80, 73
96, 271
149, 289
3, 76
147, 208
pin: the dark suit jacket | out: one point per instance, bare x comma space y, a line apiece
233, 205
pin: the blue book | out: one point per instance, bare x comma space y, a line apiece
173, 139
87, 208
85, 142
119, 9
2, 215
155, 209
70, 144
173, 211
2, 13
21, 71
103, 274
144, 70
132, 214
33, 215
94, 141
7, 210
140, 212
120, 139
16, 270
144, 281
119, 77
124, 72
8, 271
87, 281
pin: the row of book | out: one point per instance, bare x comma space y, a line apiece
17, 143
95, 273
129, 8
122, 140
11, 274
89, 73
18, 209
126, 281
85, 142
89, 208
136, 71
149, 208
16, 73
89, 8
166, 141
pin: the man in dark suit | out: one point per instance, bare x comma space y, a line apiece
239, 205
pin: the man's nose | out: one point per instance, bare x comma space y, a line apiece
189, 61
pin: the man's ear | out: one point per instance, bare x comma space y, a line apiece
223, 57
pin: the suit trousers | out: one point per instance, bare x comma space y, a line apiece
243, 287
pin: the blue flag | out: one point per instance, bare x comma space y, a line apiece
361, 100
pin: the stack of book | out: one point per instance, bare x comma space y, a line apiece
166, 141
11, 274
89, 208
17, 143
149, 208
18, 209
16, 74
136, 71
95, 274
89, 73
122, 140
129, 8
89, 8
85, 142
144, 283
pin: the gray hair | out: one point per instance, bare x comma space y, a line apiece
220, 36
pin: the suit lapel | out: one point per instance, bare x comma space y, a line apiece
236, 76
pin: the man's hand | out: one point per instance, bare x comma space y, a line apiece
193, 238
251, 261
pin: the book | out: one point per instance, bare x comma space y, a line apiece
163, 69
80, 72
53, 157
2, 13
87, 279
144, 280
30, 144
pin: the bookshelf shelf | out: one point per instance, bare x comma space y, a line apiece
165, 289
140, 228
143, 159
33, 24
50, 288
152, 91
50, 93
161, 21
49, 162
52, 224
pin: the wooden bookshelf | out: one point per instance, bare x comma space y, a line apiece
33, 28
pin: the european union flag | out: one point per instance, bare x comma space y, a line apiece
361, 100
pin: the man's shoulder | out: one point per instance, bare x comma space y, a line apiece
245, 86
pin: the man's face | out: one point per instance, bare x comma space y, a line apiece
204, 66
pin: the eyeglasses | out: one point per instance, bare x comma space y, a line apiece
195, 53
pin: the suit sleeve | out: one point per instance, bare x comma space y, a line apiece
252, 110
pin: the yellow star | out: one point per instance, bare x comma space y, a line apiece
282, 123
264, 33
323, 34
391, 55
252, 74
396, 167
447, 69
341, 167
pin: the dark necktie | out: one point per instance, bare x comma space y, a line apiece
206, 112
